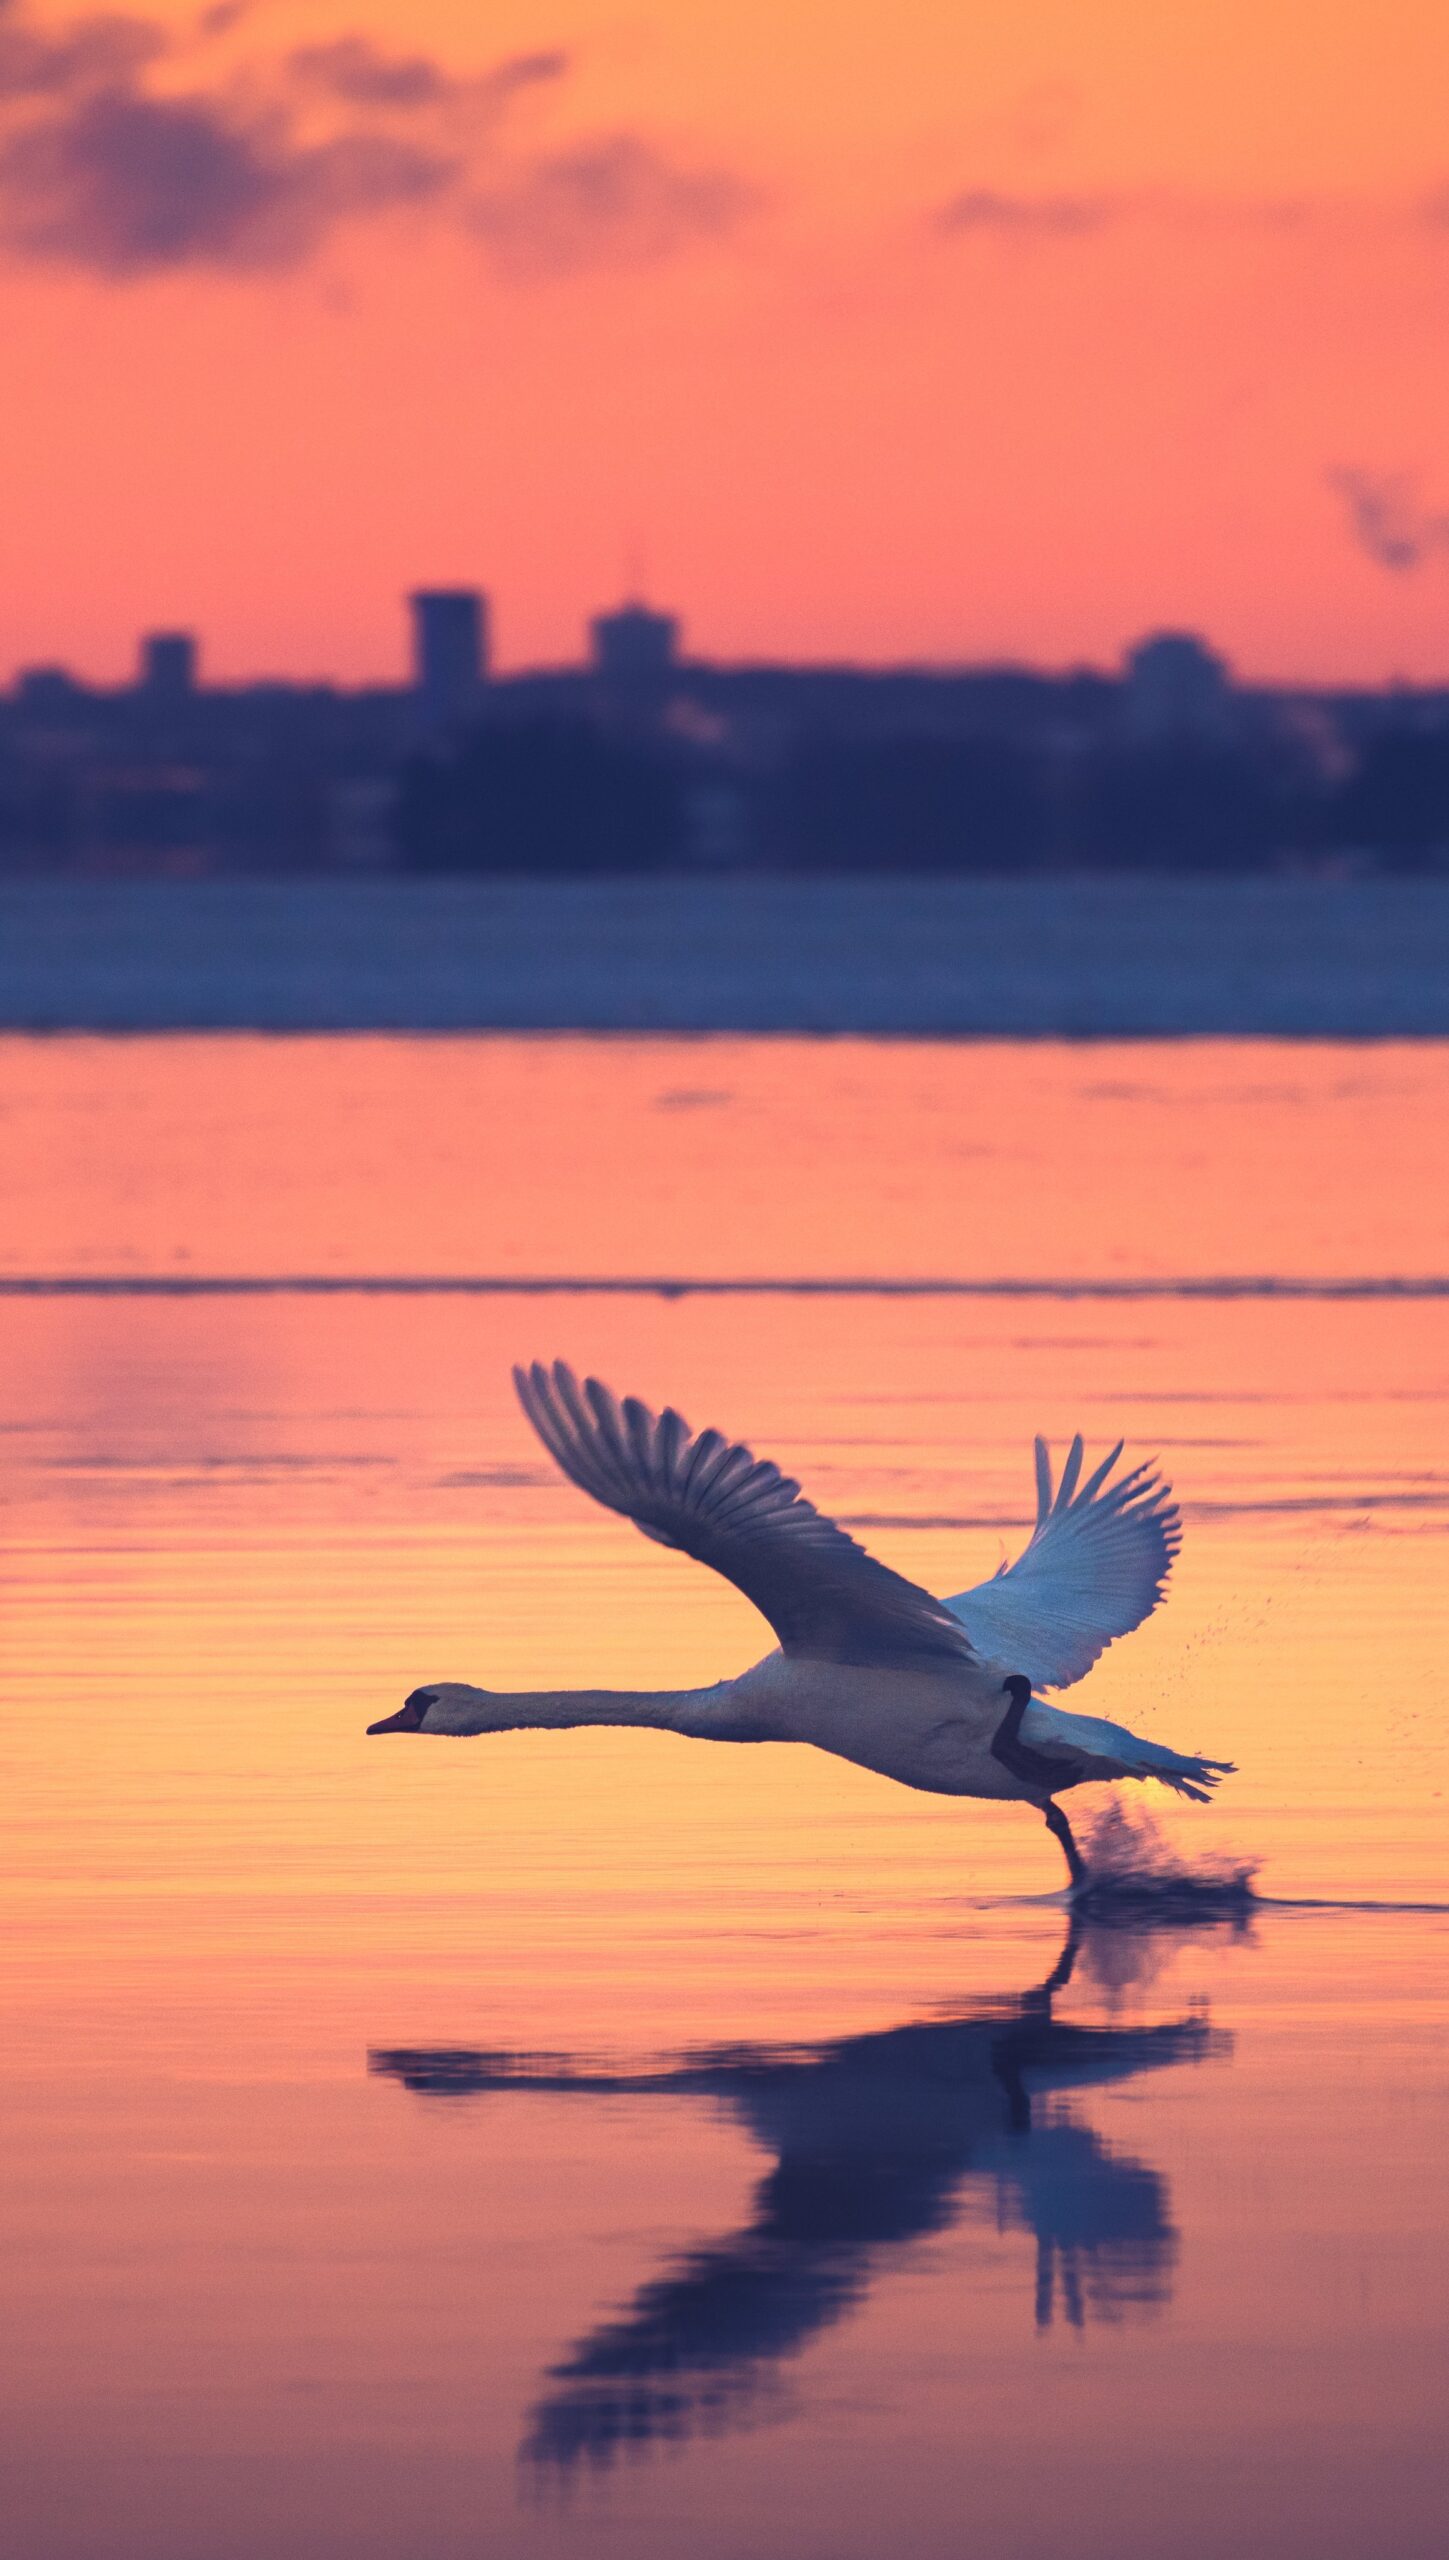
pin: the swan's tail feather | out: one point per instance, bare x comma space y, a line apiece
1102, 1749
1187, 1775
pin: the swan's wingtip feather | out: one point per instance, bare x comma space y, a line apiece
1067, 1481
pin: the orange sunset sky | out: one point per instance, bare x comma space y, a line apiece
936, 330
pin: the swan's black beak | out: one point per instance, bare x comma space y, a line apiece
409, 1716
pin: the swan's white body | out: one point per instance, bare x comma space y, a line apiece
870, 1667
936, 1734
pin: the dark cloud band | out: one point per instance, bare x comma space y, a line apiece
1388, 520
107, 167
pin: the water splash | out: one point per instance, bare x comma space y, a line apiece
1132, 1865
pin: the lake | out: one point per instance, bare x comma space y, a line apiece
1090, 954
593, 2143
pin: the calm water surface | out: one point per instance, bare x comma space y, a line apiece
587, 2143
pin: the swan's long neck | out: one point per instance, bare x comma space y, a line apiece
701, 1712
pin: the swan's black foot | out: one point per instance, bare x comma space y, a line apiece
1058, 1825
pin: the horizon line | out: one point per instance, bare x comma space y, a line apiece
1224, 1286
404, 686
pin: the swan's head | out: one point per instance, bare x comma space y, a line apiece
1017, 1689
445, 1706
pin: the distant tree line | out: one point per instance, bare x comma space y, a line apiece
559, 794
812, 771
542, 794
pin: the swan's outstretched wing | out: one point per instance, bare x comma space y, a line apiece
822, 1594
1094, 1568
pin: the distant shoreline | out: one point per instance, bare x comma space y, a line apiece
1064, 957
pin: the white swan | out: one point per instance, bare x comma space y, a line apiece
869, 1666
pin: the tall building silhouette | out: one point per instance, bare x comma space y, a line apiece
634, 647
450, 653
166, 668
634, 659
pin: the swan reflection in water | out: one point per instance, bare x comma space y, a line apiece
877, 2141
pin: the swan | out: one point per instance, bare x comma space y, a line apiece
869, 1665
